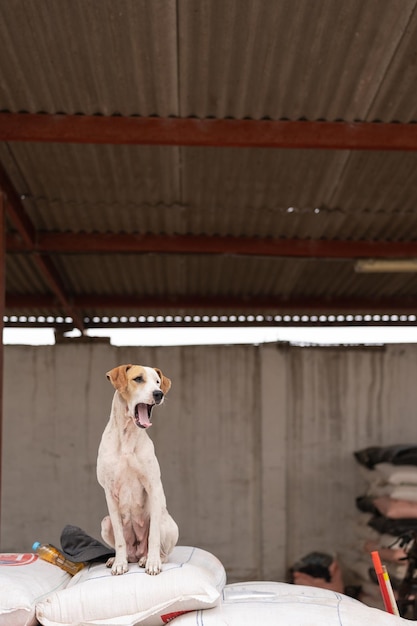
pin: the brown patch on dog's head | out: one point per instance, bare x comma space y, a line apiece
118, 377
165, 382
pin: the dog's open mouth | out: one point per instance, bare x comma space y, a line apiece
143, 414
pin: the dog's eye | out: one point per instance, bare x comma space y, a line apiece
138, 379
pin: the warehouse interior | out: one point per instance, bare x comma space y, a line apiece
220, 163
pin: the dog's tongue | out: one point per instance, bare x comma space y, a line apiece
143, 416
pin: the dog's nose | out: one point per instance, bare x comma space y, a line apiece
157, 396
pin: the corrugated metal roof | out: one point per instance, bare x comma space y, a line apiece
238, 58
291, 59
90, 56
295, 58
226, 191
222, 275
22, 277
74, 187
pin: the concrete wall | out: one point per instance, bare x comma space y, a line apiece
255, 443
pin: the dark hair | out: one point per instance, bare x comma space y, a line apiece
314, 564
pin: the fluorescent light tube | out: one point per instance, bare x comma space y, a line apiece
386, 265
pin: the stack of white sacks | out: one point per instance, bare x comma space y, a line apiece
190, 590
387, 516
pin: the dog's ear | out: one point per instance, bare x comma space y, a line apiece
118, 377
165, 382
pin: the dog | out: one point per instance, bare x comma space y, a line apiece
138, 526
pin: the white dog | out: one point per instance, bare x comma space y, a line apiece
139, 526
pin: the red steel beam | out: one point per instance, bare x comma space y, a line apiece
193, 303
27, 235
16, 211
174, 131
2, 312
88, 243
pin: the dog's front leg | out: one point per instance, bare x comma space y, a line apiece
119, 563
156, 502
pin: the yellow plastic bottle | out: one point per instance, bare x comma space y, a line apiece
53, 555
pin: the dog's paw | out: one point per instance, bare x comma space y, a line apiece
117, 567
142, 561
153, 566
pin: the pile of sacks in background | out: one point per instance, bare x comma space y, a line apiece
388, 515
190, 590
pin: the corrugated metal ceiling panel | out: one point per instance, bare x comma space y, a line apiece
294, 58
103, 188
171, 275
247, 186
239, 58
380, 182
225, 191
22, 276
395, 99
89, 56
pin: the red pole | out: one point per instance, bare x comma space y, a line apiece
384, 584
2, 307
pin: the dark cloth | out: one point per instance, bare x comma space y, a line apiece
78, 546
366, 505
399, 454
353, 591
395, 527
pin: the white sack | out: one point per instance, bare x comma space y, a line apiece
25, 580
396, 481
272, 604
396, 474
404, 492
191, 580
